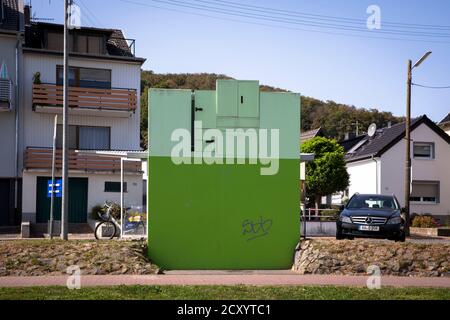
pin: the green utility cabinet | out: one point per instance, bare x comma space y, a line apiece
219, 198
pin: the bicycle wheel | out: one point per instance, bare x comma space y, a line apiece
105, 230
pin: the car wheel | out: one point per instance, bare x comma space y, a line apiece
339, 235
401, 238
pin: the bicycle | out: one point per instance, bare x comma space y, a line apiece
107, 229
110, 227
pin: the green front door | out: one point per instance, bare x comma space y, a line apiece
78, 188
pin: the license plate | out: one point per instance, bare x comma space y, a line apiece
369, 228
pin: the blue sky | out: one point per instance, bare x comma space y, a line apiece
361, 71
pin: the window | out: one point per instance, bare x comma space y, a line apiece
375, 201
90, 44
114, 186
55, 41
85, 77
86, 138
79, 43
93, 138
425, 191
423, 150
72, 137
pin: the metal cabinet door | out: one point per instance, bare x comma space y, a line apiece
205, 108
248, 99
227, 91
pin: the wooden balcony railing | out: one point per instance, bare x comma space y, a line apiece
41, 158
51, 95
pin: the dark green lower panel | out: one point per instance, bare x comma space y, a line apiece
222, 216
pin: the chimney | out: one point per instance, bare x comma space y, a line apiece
27, 14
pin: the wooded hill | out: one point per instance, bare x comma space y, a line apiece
336, 119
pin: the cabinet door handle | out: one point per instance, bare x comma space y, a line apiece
210, 141
198, 109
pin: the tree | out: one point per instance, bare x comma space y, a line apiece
327, 174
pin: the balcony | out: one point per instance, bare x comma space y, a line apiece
6, 94
41, 159
48, 98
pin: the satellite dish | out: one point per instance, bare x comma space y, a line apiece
372, 130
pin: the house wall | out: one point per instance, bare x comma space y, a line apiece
364, 177
125, 132
37, 129
96, 192
7, 118
392, 171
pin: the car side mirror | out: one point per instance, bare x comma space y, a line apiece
403, 210
342, 207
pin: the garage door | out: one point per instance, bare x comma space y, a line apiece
78, 188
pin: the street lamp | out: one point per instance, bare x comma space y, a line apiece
408, 138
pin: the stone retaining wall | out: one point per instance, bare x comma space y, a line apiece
45, 257
354, 257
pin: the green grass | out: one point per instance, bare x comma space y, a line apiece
222, 292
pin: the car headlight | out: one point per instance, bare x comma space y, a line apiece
395, 220
346, 219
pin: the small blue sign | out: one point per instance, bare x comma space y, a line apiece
57, 188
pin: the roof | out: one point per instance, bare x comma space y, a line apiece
308, 135
385, 138
350, 143
12, 16
116, 43
446, 119
306, 157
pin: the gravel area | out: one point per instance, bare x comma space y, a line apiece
45, 257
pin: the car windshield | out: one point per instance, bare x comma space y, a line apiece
372, 202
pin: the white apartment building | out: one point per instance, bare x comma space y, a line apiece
104, 116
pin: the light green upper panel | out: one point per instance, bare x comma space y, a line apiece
248, 99
227, 103
205, 104
169, 110
280, 110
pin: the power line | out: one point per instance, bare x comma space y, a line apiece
90, 15
282, 26
325, 17
430, 87
297, 21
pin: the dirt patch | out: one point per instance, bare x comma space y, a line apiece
354, 257
45, 257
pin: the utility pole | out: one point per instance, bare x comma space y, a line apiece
52, 199
65, 151
408, 147
407, 185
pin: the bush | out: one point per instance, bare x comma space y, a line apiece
329, 215
422, 221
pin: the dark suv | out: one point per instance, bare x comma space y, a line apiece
371, 216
